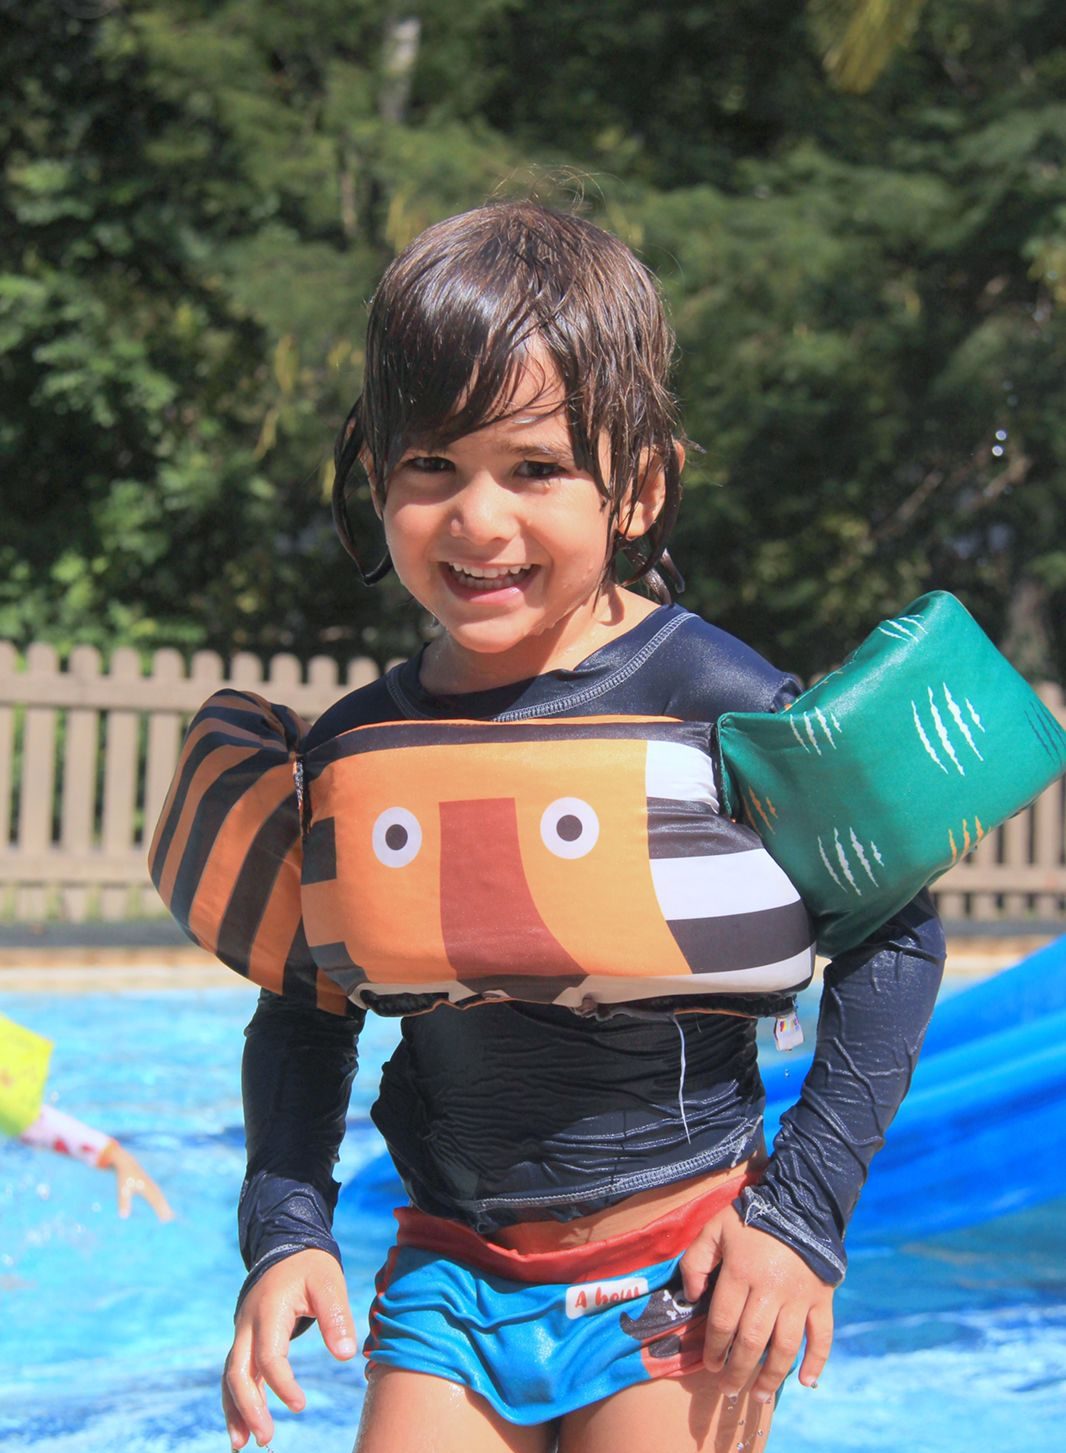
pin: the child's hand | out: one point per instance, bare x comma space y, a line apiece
307, 1284
131, 1179
765, 1300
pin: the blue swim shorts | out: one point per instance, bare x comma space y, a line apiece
538, 1334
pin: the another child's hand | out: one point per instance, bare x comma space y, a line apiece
307, 1284
765, 1300
132, 1180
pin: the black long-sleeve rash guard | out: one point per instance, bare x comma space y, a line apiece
517, 1112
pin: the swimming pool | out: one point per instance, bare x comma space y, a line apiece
114, 1333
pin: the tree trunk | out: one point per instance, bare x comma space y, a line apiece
402, 36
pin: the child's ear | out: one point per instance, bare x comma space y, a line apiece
649, 497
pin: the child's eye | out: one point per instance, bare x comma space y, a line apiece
427, 463
541, 468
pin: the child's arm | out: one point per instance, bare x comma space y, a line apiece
298, 1067
876, 1004
56, 1130
297, 1073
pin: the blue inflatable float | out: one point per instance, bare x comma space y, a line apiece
975, 1137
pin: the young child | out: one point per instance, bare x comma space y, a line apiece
523, 452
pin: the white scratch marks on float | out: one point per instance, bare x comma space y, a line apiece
953, 707
926, 743
942, 733
860, 854
828, 865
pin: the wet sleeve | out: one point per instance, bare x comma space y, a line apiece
877, 1000
299, 1064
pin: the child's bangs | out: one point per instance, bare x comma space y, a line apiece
456, 397
448, 357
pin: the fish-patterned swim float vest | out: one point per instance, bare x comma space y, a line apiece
577, 862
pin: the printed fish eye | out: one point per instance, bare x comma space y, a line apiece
396, 837
569, 827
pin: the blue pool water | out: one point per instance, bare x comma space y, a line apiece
113, 1333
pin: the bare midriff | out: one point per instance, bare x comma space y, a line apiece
634, 1211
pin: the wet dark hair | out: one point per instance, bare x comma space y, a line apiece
453, 321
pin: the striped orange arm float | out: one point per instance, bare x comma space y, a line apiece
227, 852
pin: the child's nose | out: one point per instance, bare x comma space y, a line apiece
481, 510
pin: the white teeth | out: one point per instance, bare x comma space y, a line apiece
490, 572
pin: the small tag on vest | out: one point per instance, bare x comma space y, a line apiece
788, 1032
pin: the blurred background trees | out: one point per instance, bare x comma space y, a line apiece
858, 216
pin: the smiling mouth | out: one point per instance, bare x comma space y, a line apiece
488, 577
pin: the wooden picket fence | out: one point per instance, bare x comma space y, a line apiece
95, 752
87, 755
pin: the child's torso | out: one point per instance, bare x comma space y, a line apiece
514, 1112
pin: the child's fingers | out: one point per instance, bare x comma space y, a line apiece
723, 1317
131, 1179
819, 1341
276, 1371
754, 1329
785, 1343
243, 1402
236, 1428
124, 1188
328, 1297
156, 1199
134, 1184
699, 1261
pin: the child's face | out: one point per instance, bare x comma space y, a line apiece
503, 538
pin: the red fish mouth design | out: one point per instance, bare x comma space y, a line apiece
489, 922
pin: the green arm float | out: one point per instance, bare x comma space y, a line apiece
892, 768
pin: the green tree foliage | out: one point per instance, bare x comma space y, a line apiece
196, 202
866, 266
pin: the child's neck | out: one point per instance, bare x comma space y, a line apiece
449, 669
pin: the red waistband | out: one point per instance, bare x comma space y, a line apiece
669, 1235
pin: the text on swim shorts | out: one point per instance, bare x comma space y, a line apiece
594, 1296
